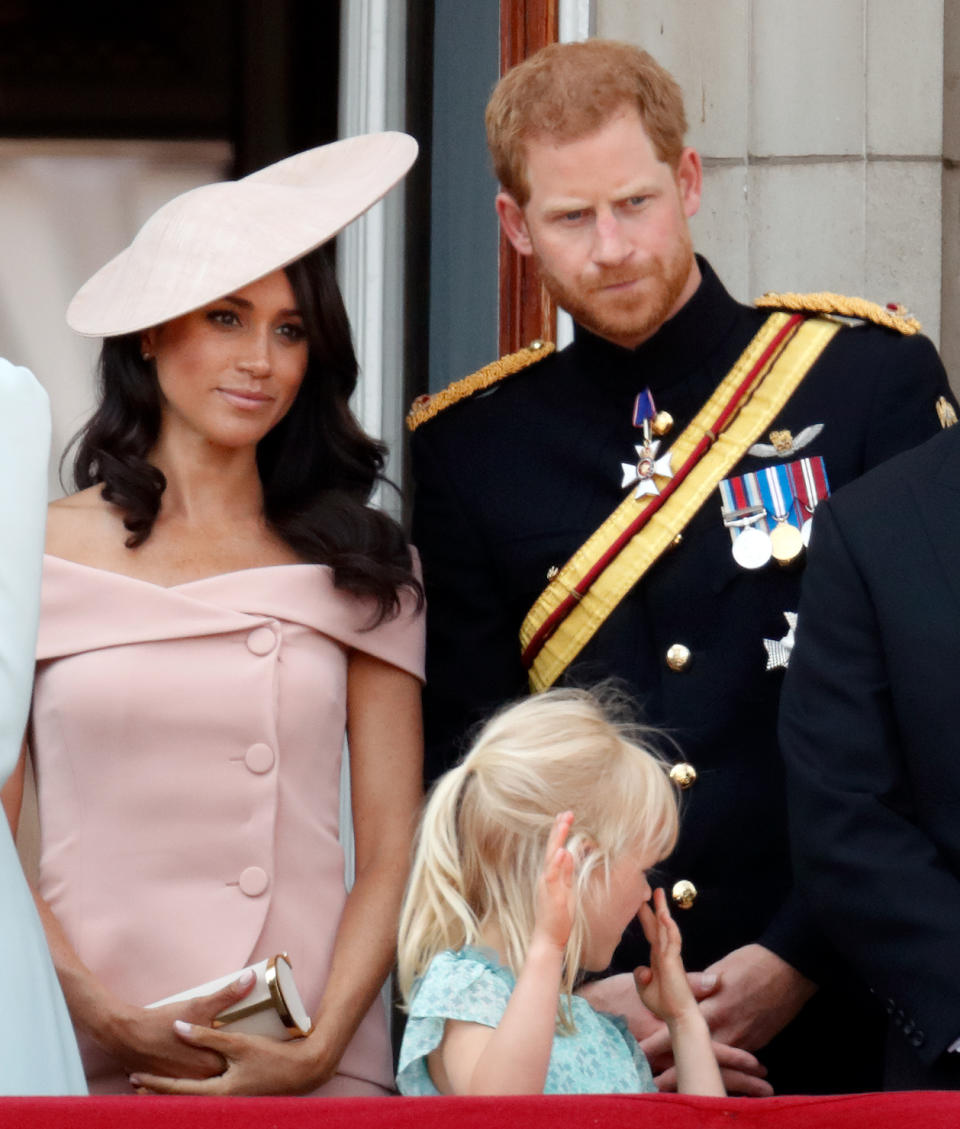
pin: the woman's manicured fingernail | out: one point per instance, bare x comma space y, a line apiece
182, 1027
245, 979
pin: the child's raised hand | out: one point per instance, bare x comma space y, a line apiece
555, 897
663, 986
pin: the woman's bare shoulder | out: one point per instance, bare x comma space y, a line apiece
83, 527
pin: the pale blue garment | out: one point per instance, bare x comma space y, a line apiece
38, 1052
600, 1057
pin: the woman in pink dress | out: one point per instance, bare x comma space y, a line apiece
220, 608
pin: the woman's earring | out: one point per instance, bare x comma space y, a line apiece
147, 355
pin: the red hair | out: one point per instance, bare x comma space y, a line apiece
568, 90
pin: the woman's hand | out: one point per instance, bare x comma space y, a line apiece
144, 1038
663, 987
555, 897
254, 1065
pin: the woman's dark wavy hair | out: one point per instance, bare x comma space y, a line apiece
317, 466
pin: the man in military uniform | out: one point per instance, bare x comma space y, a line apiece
712, 430
869, 734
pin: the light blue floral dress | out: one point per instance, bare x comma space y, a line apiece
600, 1057
38, 1052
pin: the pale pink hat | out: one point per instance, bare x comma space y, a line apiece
213, 240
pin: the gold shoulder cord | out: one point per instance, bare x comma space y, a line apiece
426, 407
825, 302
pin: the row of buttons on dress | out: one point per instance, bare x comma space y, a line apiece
259, 759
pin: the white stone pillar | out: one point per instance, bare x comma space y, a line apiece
821, 126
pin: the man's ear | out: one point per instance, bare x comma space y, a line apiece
513, 224
689, 177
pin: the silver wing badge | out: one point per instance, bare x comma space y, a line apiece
782, 443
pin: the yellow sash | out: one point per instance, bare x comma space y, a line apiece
574, 606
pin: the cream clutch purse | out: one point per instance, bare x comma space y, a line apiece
272, 1007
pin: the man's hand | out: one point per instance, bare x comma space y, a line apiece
741, 1072
758, 995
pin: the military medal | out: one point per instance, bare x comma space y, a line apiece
779, 650
744, 514
768, 512
776, 489
808, 478
752, 548
647, 465
786, 542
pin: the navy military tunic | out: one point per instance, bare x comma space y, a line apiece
511, 482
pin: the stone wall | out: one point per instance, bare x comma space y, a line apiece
830, 133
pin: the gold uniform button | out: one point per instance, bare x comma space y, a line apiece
662, 423
684, 894
678, 657
683, 775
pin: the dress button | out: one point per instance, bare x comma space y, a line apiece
261, 640
683, 775
678, 657
253, 881
684, 894
259, 758
917, 1039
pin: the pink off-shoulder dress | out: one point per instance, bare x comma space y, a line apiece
188, 745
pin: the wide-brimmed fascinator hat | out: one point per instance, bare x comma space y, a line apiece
215, 239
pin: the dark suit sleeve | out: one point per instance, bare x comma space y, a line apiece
874, 879
794, 937
473, 649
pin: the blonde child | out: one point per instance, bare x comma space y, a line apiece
530, 863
